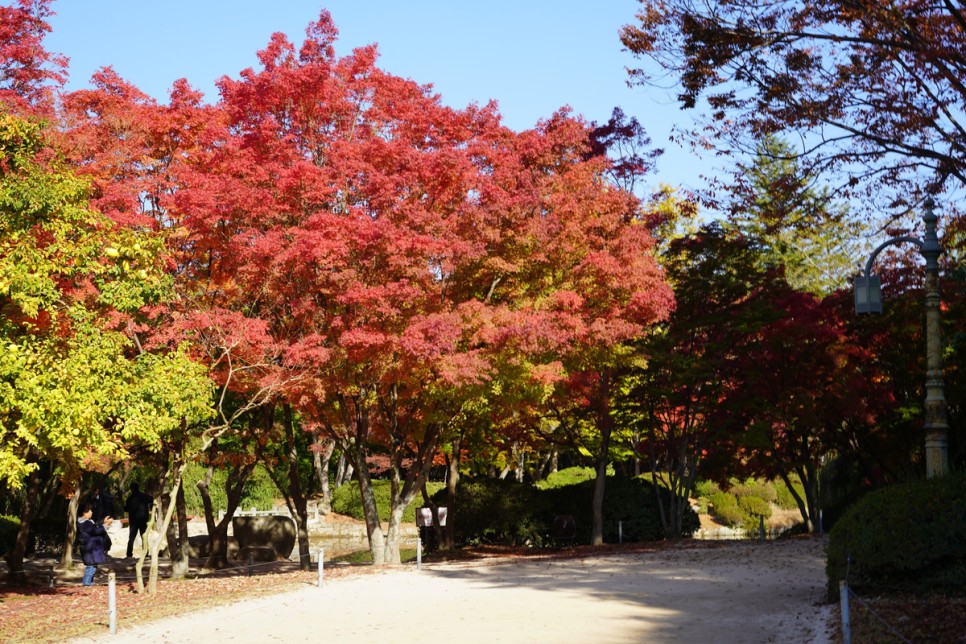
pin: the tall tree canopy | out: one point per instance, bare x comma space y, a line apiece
875, 89
405, 254
801, 226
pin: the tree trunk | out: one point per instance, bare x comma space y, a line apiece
296, 495
321, 457
16, 575
343, 471
597, 530
605, 425
155, 530
218, 532
67, 557
178, 549
377, 540
403, 492
155, 542
452, 483
799, 501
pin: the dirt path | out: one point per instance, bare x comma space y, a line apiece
725, 592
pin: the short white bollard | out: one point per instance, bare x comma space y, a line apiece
620, 532
419, 553
112, 601
321, 558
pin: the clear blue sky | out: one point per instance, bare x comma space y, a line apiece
531, 56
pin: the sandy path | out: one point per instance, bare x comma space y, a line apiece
737, 592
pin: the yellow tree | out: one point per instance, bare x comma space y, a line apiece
73, 381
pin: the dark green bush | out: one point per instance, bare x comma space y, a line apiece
840, 486
8, 532
909, 537
346, 500
493, 511
500, 511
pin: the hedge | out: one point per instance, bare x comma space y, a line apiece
906, 537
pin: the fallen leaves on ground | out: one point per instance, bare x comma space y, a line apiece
36, 614
888, 619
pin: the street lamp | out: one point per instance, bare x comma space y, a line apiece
868, 299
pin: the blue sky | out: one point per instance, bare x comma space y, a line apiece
531, 56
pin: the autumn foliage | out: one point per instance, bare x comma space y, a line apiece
346, 246
875, 89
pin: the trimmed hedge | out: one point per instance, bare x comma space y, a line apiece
507, 512
906, 537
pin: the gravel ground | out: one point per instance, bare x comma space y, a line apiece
722, 592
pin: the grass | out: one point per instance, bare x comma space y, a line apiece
407, 555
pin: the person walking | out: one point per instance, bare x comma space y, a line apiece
94, 541
138, 508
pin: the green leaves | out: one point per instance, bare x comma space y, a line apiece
72, 381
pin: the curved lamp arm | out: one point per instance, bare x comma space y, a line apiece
891, 242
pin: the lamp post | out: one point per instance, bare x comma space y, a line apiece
868, 299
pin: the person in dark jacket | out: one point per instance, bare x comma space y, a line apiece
138, 508
94, 541
103, 504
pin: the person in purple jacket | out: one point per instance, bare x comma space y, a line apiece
94, 542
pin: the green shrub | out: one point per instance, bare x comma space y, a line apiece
754, 507
8, 532
909, 537
753, 510
724, 508
500, 511
761, 489
569, 476
494, 511
259, 493
346, 500
704, 489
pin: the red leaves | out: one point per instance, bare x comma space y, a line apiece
28, 72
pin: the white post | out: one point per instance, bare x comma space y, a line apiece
321, 558
419, 553
112, 601
844, 601
620, 532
